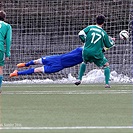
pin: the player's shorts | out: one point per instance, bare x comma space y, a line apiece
52, 64
99, 60
2, 58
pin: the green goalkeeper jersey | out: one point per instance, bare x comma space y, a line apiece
5, 37
95, 39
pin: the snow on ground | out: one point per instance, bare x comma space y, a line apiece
94, 76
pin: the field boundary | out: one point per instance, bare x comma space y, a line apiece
60, 128
73, 92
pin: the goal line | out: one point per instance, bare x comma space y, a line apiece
73, 92
60, 128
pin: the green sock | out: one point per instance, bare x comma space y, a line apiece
82, 70
107, 74
1, 77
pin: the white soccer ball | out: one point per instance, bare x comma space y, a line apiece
124, 35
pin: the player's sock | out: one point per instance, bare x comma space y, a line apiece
26, 72
1, 77
107, 74
30, 63
82, 70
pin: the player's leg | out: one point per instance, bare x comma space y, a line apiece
27, 72
51, 65
82, 70
103, 62
2, 58
32, 62
81, 73
107, 74
1, 77
82, 66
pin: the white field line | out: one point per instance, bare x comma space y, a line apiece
64, 128
73, 92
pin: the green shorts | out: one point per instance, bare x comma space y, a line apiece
2, 58
99, 59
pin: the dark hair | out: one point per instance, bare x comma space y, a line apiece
100, 19
2, 15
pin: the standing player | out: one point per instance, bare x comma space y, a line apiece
5, 43
95, 39
52, 64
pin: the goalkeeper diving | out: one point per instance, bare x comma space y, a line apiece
52, 63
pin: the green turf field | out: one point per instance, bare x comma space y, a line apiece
66, 109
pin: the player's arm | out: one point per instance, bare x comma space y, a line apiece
83, 34
105, 48
8, 41
109, 41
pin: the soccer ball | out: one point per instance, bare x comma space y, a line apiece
124, 35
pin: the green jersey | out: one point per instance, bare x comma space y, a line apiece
5, 37
95, 39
